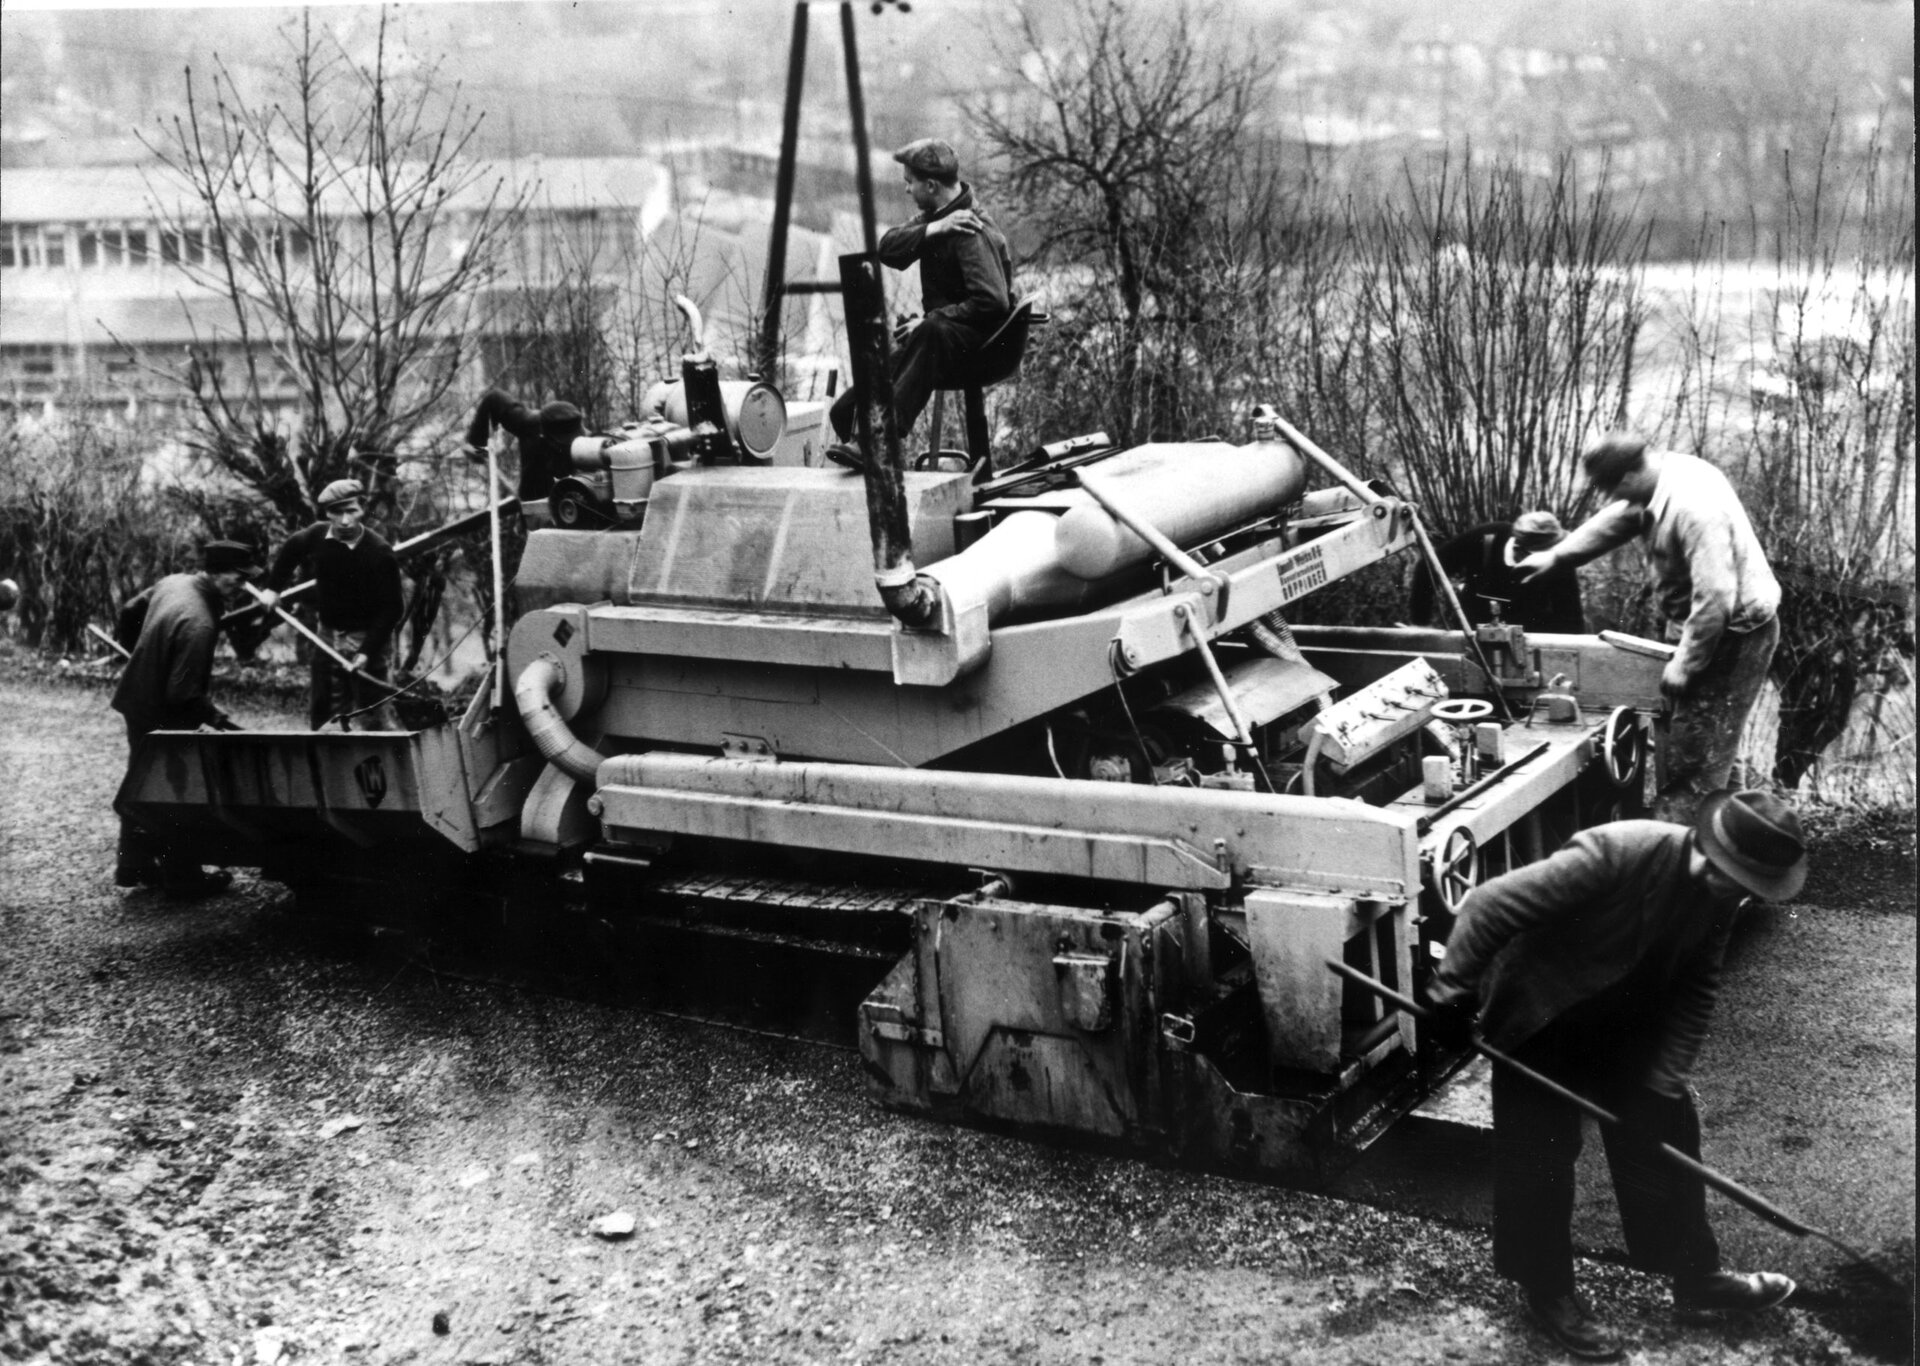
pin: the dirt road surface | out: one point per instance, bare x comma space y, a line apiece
226, 1139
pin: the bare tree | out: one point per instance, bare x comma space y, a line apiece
350, 241
1124, 152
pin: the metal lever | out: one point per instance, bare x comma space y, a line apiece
1209, 583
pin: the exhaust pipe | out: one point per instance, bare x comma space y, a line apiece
533, 694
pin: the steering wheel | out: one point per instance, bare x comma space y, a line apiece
1453, 869
1623, 748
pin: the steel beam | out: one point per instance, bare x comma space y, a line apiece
1176, 838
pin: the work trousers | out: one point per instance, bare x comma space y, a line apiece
143, 855
335, 693
933, 358
1705, 725
1663, 1210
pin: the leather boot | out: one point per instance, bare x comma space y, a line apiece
1566, 1319
1729, 1294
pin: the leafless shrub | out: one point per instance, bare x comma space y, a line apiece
1500, 315
1810, 398
82, 528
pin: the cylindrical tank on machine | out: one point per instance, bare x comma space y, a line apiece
1035, 562
630, 461
756, 413
1192, 492
1012, 569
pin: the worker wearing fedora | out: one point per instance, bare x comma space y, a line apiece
357, 579
171, 629
1599, 967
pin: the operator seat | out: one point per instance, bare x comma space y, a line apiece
994, 363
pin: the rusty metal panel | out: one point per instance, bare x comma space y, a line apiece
240, 791
1292, 934
1017, 985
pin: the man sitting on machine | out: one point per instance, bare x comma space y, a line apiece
966, 276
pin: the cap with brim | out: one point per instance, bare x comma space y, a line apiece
340, 492
1754, 838
229, 557
1537, 530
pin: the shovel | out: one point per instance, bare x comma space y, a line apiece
318, 644
1728, 1187
109, 642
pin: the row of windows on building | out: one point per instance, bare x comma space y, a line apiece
62, 246
580, 236
37, 370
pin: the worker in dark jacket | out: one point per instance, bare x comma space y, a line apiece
545, 436
357, 580
1483, 563
171, 629
966, 288
1599, 967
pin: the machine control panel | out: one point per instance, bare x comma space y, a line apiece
1384, 711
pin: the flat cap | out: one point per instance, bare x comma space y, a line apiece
340, 491
1538, 528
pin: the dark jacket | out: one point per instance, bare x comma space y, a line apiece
171, 629
1614, 903
543, 459
1477, 558
358, 586
964, 277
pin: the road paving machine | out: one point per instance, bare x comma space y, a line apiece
1020, 781
1023, 784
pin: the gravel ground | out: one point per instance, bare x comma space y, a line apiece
228, 1139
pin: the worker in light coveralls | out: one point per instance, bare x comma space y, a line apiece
171, 630
357, 579
966, 289
1709, 576
1599, 967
